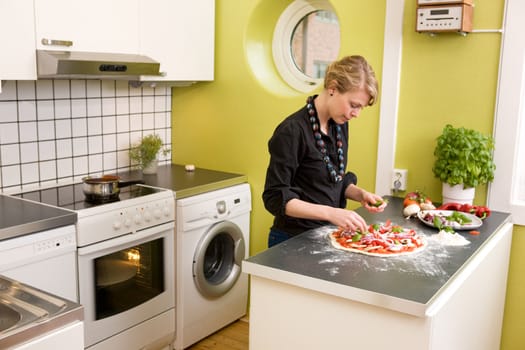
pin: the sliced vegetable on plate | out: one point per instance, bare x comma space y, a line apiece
449, 218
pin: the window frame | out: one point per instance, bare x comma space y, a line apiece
282, 38
509, 111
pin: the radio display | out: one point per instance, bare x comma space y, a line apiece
439, 12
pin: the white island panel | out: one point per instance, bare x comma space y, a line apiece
303, 298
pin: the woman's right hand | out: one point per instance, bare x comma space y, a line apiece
348, 219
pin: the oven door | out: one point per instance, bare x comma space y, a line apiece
126, 280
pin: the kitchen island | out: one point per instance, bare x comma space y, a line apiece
305, 294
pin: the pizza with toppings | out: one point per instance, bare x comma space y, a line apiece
385, 240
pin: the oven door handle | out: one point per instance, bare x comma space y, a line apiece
129, 238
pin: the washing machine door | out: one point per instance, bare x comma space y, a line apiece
217, 260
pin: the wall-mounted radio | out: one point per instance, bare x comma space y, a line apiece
441, 2
447, 17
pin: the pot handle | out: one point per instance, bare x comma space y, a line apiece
130, 182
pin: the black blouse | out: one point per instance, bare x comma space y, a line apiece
297, 170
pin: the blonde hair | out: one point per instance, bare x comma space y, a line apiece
350, 73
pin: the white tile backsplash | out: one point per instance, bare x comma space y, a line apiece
64, 148
26, 90
94, 144
78, 108
8, 133
80, 166
63, 108
108, 106
61, 89
65, 167
26, 110
47, 150
10, 155
46, 130
8, 111
94, 107
45, 109
109, 143
58, 131
29, 172
94, 125
93, 88
63, 128
79, 126
28, 152
47, 170
44, 89
8, 91
122, 104
78, 89
28, 132
11, 176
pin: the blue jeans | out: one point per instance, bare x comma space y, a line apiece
276, 237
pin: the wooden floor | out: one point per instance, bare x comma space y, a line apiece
232, 337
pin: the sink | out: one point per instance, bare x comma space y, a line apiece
27, 313
8, 317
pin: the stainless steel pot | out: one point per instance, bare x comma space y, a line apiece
104, 188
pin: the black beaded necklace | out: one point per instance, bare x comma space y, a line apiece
336, 175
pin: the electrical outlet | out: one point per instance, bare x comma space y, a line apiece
399, 179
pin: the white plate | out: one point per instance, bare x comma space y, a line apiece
475, 222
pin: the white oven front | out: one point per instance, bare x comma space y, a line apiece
126, 283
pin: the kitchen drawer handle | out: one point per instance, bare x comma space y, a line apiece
57, 42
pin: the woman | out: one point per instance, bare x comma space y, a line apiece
306, 182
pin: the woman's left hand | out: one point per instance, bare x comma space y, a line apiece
373, 203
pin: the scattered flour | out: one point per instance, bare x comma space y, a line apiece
447, 238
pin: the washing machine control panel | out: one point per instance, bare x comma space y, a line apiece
204, 209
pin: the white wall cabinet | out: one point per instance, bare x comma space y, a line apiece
17, 40
180, 34
93, 26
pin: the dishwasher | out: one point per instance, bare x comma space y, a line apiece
45, 260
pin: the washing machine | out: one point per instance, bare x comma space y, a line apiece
213, 232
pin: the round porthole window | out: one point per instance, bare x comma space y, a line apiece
305, 41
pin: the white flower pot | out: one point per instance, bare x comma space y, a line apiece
151, 168
458, 194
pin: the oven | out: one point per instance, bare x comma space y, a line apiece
125, 281
125, 261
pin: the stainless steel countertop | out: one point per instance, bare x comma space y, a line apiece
20, 217
413, 279
186, 183
34, 312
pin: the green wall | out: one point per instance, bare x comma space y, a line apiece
225, 124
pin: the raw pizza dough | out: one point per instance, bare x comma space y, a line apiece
384, 240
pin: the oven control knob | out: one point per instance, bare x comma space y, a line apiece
147, 216
157, 213
166, 211
137, 219
127, 222
117, 225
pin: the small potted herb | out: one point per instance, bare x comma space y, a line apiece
463, 160
146, 151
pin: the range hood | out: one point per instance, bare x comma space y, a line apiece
94, 65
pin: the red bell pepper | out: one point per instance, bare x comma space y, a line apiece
450, 206
483, 212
